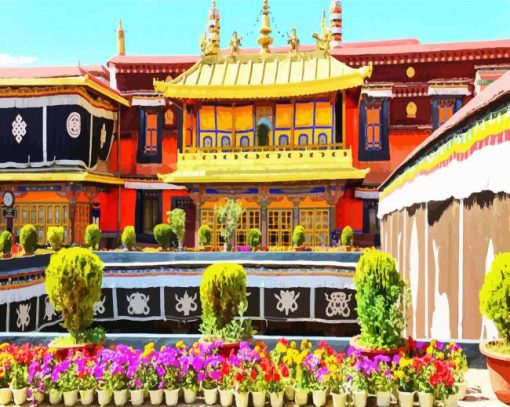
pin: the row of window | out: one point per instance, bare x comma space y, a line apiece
283, 140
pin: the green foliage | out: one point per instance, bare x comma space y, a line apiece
129, 237
6, 242
298, 237
229, 216
92, 236
204, 235
254, 238
262, 134
28, 238
236, 330
347, 236
495, 295
73, 284
177, 222
380, 300
55, 237
164, 235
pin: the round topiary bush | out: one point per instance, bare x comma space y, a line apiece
28, 238
298, 237
92, 236
129, 237
6, 242
254, 238
204, 235
55, 237
73, 284
177, 222
495, 295
164, 235
380, 301
347, 236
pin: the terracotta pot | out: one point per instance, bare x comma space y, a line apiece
301, 397
229, 347
20, 396
156, 397
104, 397
136, 397
87, 397
450, 401
372, 353
171, 397
70, 398
425, 399
258, 398
241, 399
462, 386
289, 392
319, 397
499, 372
5, 396
63, 351
210, 396
383, 398
189, 396
55, 396
339, 399
405, 399
226, 398
359, 398
276, 399
120, 397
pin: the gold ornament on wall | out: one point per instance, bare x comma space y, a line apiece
410, 72
411, 110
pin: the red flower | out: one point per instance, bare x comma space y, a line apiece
225, 368
285, 370
267, 377
276, 376
253, 375
284, 342
239, 376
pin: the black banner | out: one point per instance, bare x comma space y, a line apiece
47, 313
23, 316
102, 132
335, 304
104, 308
287, 303
138, 303
182, 303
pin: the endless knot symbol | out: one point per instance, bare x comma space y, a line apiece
19, 129
287, 301
186, 304
338, 304
74, 124
23, 312
138, 304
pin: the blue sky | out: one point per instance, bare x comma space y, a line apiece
63, 32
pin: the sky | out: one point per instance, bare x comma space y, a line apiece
68, 32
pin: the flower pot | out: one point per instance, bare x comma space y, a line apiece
226, 398
301, 397
462, 386
5, 396
383, 398
210, 396
104, 397
20, 396
319, 397
55, 396
276, 399
359, 398
339, 399
120, 397
241, 399
136, 397
37, 397
70, 398
87, 397
171, 397
406, 399
450, 401
190, 396
289, 392
426, 399
499, 372
372, 353
156, 397
258, 398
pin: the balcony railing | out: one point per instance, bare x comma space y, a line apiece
255, 149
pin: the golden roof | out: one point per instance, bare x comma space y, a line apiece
50, 176
263, 76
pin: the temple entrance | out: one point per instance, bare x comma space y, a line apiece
188, 206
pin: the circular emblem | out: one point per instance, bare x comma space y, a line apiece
8, 199
74, 124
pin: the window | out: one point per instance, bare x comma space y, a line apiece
250, 219
225, 141
208, 217
207, 142
373, 130
373, 126
445, 110
316, 224
245, 141
303, 140
283, 140
323, 138
149, 136
148, 211
279, 227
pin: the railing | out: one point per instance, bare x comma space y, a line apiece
242, 149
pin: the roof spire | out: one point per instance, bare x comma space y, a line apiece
265, 30
335, 21
121, 42
324, 39
210, 42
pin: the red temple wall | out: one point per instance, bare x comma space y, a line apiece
127, 208
349, 211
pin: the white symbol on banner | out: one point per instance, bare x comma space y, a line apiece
23, 312
287, 301
19, 129
49, 310
103, 135
99, 307
138, 304
338, 304
186, 304
73, 124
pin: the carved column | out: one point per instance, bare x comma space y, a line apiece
296, 201
263, 201
198, 197
332, 194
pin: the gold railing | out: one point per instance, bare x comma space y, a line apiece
248, 149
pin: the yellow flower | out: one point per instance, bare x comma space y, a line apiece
440, 355
280, 347
180, 344
293, 344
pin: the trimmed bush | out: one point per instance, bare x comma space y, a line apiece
495, 295
229, 215
92, 236
6, 242
177, 222
254, 238
222, 289
129, 237
347, 236
380, 301
164, 235
73, 284
298, 237
28, 238
55, 237
204, 235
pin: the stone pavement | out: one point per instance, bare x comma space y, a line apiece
479, 390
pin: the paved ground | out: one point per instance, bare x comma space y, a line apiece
479, 390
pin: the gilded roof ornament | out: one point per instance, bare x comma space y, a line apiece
235, 45
210, 41
293, 41
265, 40
324, 39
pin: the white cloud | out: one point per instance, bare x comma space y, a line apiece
12, 60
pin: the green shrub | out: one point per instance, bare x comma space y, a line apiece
495, 295
298, 237
229, 216
347, 237
129, 237
204, 235
254, 238
73, 284
55, 237
6, 242
380, 300
177, 222
92, 236
164, 235
28, 238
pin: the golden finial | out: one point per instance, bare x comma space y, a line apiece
210, 41
324, 39
265, 29
235, 45
293, 41
121, 42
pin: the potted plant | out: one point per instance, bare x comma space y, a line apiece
259, 385
87, 383
380, 305
283, 355
28, 239
6, 243
169, 359
102, 375
456, 354
119, 381
136, 377
382, 380
68, 381
303, 373
254, 238
154, 375
92, 236
19, 383
164, 235
495, 306
338, 380
229, 216
274, 377
190, 367
7, 363
359, 373
129, 238
404, 375
177, 222
347, 237
242, 384
226, 384
55, 237
298, 238
204, 236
